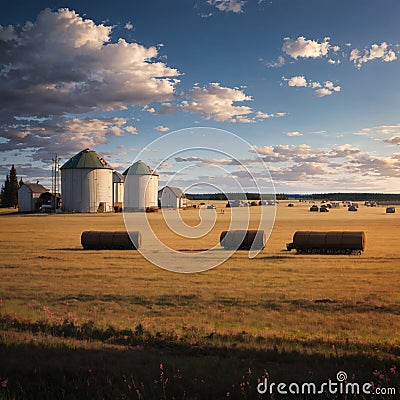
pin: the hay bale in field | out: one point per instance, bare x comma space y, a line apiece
290, 205
328, 242
352, 208
243, 240
100, 240
324, 209
390, 210
314, 208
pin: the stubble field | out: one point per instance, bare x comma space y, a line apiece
74, 318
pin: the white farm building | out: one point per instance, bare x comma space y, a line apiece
171, 197
87, 183
28, 196
141, 187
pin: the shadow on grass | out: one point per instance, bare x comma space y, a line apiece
43, 360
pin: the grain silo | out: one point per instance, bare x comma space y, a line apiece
141, 187
87, 183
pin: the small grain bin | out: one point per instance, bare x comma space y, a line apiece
243, 240
87, 183
141, 188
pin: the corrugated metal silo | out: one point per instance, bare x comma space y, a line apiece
141, 187
87, 183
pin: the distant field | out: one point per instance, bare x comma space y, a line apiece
294, 315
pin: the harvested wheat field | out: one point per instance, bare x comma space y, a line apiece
78, 323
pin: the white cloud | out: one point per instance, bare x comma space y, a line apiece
214, 102
161, 128
299, 81
321, 90
262, 115
294, 134
129, 26
381, 52
235, 6
343, 151
75, 70
131, 129
301, 47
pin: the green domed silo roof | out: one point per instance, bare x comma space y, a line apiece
87, 159
139, 168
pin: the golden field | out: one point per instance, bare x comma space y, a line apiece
331, 306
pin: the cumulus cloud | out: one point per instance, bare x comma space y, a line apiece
301, 47
299, 81
299, 172
235, 6
129, 26
393, 140
382, 52
60, 135
343, 151
320, 89
131, 129
214, 102
161, 128
371, 165
75, 70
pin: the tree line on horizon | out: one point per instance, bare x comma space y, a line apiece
293, 196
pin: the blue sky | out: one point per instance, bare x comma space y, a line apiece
312, 86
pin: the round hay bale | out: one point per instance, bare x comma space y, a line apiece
103, 240
243, 240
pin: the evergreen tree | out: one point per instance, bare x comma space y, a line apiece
21, 182
10, 192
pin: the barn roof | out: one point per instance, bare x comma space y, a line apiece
36, 188
87, 159
176, 191
139, 168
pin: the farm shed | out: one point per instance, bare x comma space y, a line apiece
87, 183
28, 197
171, 197
141, 187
